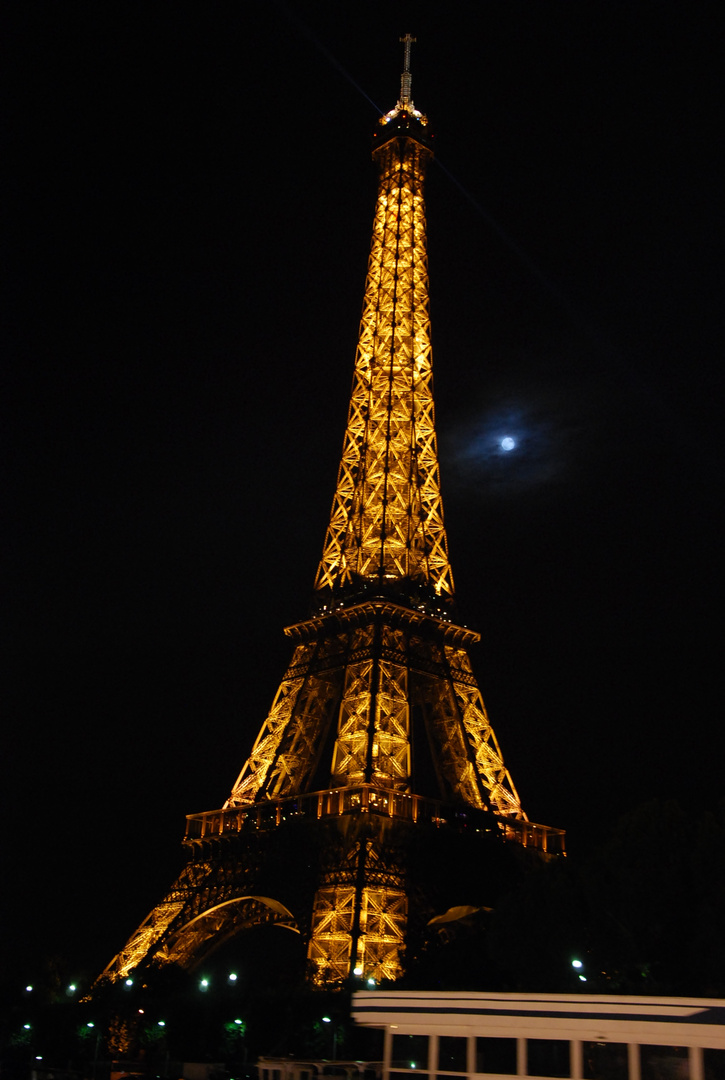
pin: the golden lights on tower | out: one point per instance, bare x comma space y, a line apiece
387, 513
378, 666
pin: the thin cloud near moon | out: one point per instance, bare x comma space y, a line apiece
510, 448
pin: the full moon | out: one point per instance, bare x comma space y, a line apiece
507, 443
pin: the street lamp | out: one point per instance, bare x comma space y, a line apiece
235, 1030
328, 1020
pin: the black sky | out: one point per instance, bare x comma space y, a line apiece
187, 211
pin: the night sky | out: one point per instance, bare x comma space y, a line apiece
187, 208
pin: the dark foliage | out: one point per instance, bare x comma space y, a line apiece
643, 912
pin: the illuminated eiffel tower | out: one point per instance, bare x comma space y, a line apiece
378, 737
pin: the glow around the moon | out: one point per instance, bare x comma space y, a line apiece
510, 447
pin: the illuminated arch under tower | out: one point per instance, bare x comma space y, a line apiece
378, 729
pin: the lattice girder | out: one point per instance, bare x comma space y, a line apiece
381, 944
386, 522
502, 794
194, 941
299, 746
351, 746
360, 913
255, 769
218, 876
354, 692
331, 939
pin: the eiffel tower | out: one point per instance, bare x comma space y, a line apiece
378, 738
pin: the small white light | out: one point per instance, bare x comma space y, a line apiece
90, 1024
162, 1023
507, 443
371, 982
357, 971
576, 964
583, 978
232, 977
29, 988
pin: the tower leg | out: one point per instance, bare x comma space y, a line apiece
359, 915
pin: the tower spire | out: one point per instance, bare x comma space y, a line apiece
386, 531
406, 99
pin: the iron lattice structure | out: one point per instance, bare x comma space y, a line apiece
387, 515
378, 730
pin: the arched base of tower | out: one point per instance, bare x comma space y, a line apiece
364, 890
